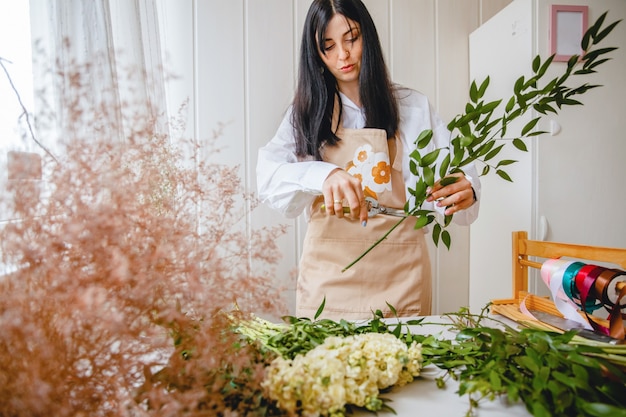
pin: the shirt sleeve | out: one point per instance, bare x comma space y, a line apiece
285, 182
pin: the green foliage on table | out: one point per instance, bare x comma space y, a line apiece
478, 133
553, 374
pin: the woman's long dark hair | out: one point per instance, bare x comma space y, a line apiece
317, 87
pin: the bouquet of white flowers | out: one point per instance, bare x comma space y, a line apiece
340, 371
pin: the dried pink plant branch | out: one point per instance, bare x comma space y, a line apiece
124, 257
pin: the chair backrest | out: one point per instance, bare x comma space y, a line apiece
523, 248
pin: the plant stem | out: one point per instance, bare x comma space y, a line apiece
375, 243
24, 111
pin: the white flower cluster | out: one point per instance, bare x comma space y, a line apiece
342, 370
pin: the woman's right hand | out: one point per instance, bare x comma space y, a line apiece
342, 189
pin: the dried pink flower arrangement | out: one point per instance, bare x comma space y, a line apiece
124, 255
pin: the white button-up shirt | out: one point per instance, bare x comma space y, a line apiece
290, 184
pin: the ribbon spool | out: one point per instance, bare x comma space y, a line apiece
589, 287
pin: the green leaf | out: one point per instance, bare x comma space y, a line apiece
596, 63
429, 158
510, 104
421, 222
489, 107
593, 30
473, 92
531, 82
458, 154
436, 233
429, 176
570, 102
484, 149
505, 162
445, 164
572, 61
544, 108
487, 128
602, 410
465, 130
584, 43
503, 175
416, 156
584, 72
320, 309
519, 144
590, 56
420, 188
494, 379
598, 38
452, 125
517, 87
530, 125
465, 119
539, 410
483, 87
424, 138
493, 152
466, 141
448, 180
581, 374
536, 63
531, 95
545, 66
445, 238
528, 363
542, 377
514, 114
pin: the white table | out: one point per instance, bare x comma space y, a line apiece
422, 397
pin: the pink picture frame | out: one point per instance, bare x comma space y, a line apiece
568, 24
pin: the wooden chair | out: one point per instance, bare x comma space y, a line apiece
523, 248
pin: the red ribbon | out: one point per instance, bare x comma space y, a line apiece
593, 283
591, 286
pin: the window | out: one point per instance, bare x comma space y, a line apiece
16, 54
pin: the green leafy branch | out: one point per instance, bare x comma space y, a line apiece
478, 134
551, 373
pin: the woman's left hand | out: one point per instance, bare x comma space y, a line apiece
456, 196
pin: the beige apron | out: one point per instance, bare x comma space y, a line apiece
397, 271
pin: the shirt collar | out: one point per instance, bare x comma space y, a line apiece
353, 116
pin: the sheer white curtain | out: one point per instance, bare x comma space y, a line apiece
95, 61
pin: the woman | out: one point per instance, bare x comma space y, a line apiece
344, 142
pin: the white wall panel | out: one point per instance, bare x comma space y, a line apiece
413, 47
270, 74
380, 14
177, 40
219, 78
502, 49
